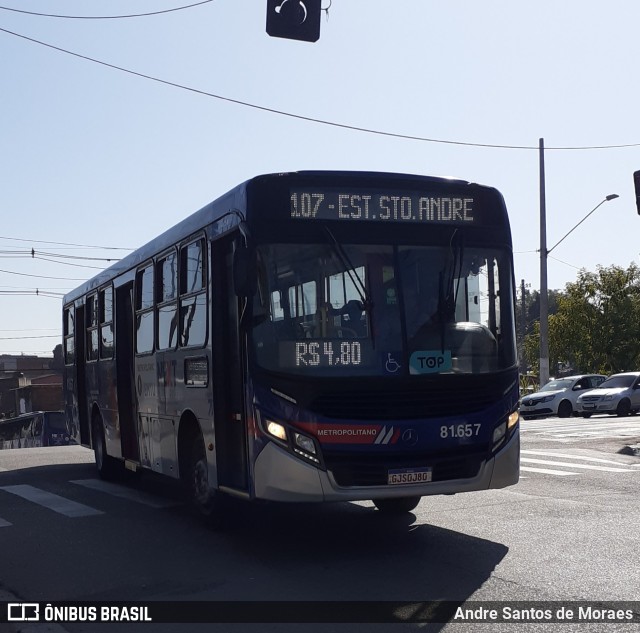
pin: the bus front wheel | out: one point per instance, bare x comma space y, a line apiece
397, 505
206, 501
107, 466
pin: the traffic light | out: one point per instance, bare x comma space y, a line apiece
294, 19
636, 182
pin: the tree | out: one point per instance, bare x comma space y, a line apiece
529, 347
597, 322
58, 360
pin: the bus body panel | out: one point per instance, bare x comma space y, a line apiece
279, 476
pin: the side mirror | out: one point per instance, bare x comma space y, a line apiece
245, 270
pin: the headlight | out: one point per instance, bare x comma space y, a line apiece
277, 430
501, 431
608, 398
548, 398
305, 447
305, 443
302, 445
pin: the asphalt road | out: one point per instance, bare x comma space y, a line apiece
567, 531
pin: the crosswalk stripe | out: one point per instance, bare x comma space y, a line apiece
568, 456
546, 471
608, 469
51, 501
4, 523
125, 493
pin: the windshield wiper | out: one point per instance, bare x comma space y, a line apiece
447, 294
361, 289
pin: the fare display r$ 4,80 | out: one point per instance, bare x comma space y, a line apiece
377, 206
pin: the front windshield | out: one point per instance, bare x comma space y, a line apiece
57, 421
334, 309
556, 385
619, 381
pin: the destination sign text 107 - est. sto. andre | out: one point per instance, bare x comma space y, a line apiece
378, 206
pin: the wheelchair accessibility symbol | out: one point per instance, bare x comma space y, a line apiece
392, 365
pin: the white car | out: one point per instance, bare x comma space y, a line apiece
559, 396
617, 395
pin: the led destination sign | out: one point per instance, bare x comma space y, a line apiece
380, 206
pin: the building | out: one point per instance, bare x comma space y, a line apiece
29, 383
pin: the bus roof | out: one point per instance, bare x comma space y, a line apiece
233, 205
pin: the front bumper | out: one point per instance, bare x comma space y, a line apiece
280, 476
536, 410
598, 407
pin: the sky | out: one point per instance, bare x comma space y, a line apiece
95, 156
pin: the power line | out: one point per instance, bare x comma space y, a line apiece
34, 253
106, 17
11, 272
47, 259
109, 248
44, 329
308, 119
32, 293
20, 338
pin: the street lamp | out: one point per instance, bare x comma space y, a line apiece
544, 292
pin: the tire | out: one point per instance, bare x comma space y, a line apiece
565, 410
108, 467
623, 408
396, 505
207, 502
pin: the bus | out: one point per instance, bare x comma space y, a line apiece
310, 336
38, 428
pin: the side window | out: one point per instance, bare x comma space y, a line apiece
106, 322
193, 295
26, 430
144, 310
92, 327
277, 309
302, 299
37, 426
167, 301
596, 381
69, 333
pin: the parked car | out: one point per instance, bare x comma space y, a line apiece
617, 395
558, 397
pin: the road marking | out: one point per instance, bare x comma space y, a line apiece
51, 501
546, 471
4, 523
125, 493
549, 462
568, 456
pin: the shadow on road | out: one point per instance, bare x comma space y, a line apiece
346, 552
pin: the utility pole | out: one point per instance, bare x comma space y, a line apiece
544, 292
544, 255
523, 326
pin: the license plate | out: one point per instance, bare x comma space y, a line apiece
402, 476
588, 406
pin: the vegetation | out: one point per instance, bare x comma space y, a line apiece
595, 325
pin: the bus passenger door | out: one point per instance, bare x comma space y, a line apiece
228, 380
81, 377
125, 372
